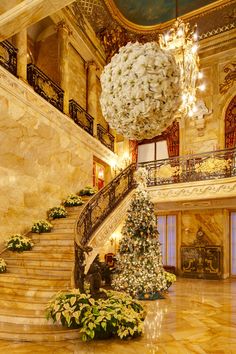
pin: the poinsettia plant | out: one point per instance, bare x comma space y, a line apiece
19, 243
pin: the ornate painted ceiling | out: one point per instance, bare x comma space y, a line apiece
117, 22
153, 12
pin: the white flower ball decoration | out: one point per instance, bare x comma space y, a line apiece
141, 90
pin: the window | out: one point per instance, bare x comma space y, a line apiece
153, 151
233, 242
166, 226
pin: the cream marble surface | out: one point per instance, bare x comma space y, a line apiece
197, 316
44, 156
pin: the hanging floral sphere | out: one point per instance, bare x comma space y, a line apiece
141, 91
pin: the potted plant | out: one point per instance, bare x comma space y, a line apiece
41, 226
19, 243
88, 191
72, 200
3, 266
57, 213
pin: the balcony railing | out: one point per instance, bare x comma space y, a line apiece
189, 168
8, 57
81, 117
45, 87
105, 137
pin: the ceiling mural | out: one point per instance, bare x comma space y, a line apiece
153, 12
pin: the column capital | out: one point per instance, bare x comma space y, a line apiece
62, 25
91, 64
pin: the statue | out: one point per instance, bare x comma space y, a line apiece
80, 258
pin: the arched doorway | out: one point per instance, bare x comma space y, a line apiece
230, 124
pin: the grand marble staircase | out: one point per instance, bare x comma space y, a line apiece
32, 278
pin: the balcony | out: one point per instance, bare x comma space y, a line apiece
190, 168
105, 137
8, 57
45, 87
81, 117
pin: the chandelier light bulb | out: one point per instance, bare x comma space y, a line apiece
166, 37
202, 87
180, 32
191, 98
184, 97
195, 37
200, 75
190, 113
194, 109
194, 48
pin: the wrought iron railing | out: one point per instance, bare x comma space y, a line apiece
103, 203
94, 213
105, 137
45, 87
81, 117
8, 57
189, 168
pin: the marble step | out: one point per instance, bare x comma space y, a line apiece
23, 316
40, 271
34, 262
37, 333
33, 292
45, 254
52, 236
41, 281
53, 242
23, 302
53, 250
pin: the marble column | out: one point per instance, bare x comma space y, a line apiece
20, 41
63, 47
92, 98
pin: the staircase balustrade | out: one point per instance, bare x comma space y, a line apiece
45, 87
81, 117
189, 168
105, 137
8, 57
96, 211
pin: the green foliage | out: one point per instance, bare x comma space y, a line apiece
170, 278
73, 200
118, 315
19, 243
57, 213
88, 190
3, 266
41, 226
139, 261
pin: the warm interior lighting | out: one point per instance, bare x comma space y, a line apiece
182, 42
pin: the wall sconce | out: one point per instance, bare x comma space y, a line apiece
126, 159
114, 167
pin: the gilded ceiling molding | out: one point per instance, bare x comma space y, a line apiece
191, 16
230, 77
194, 191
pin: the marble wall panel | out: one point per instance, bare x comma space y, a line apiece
44, 156
77, 77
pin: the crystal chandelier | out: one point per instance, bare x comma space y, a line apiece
182, 42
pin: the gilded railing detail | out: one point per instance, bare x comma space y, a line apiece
81, 117
189, 168
105, 137
8, 57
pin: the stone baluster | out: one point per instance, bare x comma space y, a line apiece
63, 46
20, 41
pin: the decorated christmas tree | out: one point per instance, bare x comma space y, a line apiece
139, 261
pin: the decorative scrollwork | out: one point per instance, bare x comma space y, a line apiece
105, 137
189, 168
8, 56
45, 87
230, 77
